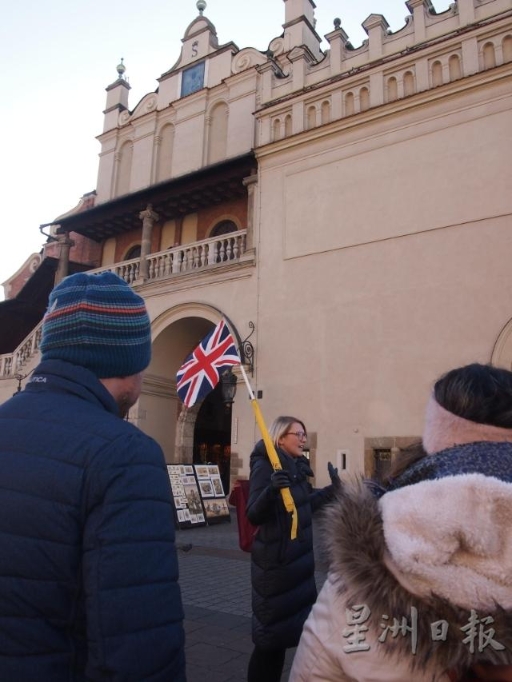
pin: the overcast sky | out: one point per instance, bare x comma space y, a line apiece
57, 58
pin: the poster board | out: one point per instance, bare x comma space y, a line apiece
187, 498
212, 493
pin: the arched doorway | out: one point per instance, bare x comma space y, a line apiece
212, 434
198, 434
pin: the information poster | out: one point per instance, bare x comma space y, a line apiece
185, 492
212, 493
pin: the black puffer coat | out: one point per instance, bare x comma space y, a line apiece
282, 570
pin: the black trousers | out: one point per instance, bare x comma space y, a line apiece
266, 665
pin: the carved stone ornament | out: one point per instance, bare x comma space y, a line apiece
151, 103
246, 59
277, 46
124, 117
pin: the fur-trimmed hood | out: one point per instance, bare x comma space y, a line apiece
442, 547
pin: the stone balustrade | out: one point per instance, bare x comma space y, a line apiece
188, 258
12, 363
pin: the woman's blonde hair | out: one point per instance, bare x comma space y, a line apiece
281, 426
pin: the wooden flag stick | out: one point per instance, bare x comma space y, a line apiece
272, 455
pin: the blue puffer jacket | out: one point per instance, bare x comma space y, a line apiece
88, 567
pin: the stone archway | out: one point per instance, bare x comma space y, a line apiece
177, 428
203, 438
184, 441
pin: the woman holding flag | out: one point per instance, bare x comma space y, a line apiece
283, 569
281, 502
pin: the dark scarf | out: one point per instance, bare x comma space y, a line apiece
487, 458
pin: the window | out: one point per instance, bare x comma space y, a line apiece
437, 74
224, 227
489, 56
288, 129
310, 118
349, 104
326, 112
408, 83
276, 129
507, 49
134, 252
454, 67
382, 463
224, 249
392, 89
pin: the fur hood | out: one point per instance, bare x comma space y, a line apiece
442, 547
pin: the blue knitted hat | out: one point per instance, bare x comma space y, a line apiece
97, 322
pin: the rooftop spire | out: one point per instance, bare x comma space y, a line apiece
201, 6
121, 68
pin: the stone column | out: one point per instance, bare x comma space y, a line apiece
115, 174
184, 444
178, 230
149, 218
63, 267
156, 158
250, 182
206, 139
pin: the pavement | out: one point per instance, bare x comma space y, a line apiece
215, 579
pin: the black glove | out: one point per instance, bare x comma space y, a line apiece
333, 472
280, 479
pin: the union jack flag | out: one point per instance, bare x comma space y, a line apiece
201, 371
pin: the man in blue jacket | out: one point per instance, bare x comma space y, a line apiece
88, 568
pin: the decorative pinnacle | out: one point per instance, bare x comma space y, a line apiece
201, 6
337, 23
121, 68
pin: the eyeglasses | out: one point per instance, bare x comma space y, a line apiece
300, 434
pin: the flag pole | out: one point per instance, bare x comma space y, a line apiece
272, 455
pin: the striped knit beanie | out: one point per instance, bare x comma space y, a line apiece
97, 322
